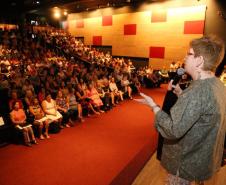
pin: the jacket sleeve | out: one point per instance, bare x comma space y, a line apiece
183, 115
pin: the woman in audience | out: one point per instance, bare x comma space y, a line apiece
14, 99
93, 94
126, 86
75, 108
63, 108
27, 86
41, 94
18, 118
83, 100
29, 96
105, 96
40, 118
114, 89
50, 109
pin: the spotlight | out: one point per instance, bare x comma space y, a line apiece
57, 14
65, 13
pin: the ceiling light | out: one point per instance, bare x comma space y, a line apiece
57, 15
65, 13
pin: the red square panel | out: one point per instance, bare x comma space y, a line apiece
156, 52
79, 24
107, 20
159, 16
194, 27
97, 40
130, 29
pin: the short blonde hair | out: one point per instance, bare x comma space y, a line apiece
211, 48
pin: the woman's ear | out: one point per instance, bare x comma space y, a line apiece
200, 62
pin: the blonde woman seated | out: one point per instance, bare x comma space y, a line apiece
40, 118
50, 109
116, 93
18, 118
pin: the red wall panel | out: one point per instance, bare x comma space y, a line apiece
194, 27
107, 20
97, 40
156, 52
79, 24
130, 29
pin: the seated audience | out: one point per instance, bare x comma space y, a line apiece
75, 108
39, 118
125, 84
93, 94
63, 108
114, 89
18, 118
50, 109
14, 99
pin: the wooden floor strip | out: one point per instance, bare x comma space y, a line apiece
154, 174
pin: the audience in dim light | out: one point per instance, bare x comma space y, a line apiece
51, 87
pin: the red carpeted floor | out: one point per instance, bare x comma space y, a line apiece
109, 149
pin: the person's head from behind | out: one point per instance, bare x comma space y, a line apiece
205, 54
14, 95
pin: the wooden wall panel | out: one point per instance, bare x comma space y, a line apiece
169, 34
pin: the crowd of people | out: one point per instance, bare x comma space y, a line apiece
42, 86
51, 78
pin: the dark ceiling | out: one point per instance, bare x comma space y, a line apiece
38, 6
12, 11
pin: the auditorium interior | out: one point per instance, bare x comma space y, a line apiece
70, 74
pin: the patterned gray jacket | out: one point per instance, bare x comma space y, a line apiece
195, 130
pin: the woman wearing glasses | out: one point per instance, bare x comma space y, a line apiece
196, 124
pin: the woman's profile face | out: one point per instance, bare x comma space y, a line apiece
190, 62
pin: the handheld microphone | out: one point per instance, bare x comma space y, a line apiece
176, 79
